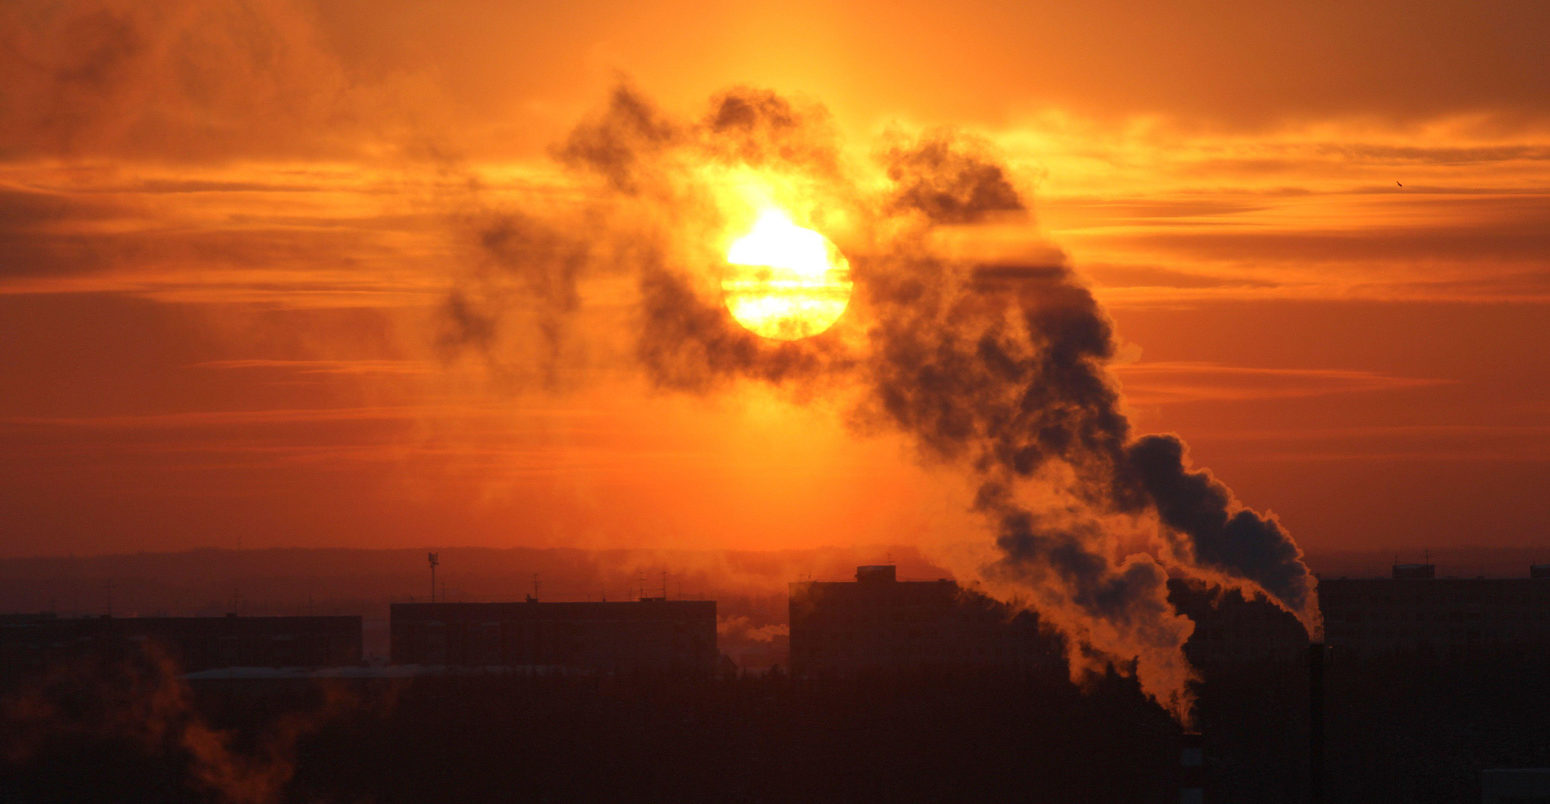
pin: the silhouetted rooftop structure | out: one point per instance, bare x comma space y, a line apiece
1449, 618
881, 623
32, 642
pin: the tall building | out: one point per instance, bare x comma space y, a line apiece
32, 642
1415, 612
651, 634
881, 623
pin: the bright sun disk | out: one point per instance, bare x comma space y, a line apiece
783, 281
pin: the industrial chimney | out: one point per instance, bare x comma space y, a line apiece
1316, 722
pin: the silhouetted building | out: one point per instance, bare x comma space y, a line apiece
1414, 572
1415, 612
1231, 630
881, 623
651, 634
35, 641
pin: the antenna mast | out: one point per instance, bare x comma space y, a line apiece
435, 558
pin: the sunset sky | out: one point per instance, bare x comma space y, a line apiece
230, 235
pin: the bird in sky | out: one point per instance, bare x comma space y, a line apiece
1401, 185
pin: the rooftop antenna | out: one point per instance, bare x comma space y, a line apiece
75, 585
664, 584
435, 559
640, 580
236, 585
535, 587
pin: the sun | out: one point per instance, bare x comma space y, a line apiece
783, 281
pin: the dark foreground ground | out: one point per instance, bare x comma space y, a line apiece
1400, 732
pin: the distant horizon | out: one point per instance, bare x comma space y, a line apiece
1439, 556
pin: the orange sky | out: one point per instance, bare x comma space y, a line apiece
226, 236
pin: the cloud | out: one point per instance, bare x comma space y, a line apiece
1427, 443
1505, 229
324, 366
183, 82
1222, 533
1160, 211
1164, 383
949, 178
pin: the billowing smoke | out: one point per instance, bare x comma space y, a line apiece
947, 185
140, 701
994, 370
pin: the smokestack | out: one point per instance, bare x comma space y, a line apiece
1316, 722
1192, 768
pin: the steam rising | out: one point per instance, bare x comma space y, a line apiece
140, 701
995, 370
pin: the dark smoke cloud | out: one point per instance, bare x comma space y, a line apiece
1129, 595
757, 127
1003, 371
1222, 534
950, 179
998, 370
689, 344
515, 308
464, 325
620, 142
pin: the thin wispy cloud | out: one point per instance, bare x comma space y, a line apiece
1164, 383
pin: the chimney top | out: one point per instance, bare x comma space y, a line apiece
876, 573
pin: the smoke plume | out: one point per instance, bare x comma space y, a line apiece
995, 370
140, 701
